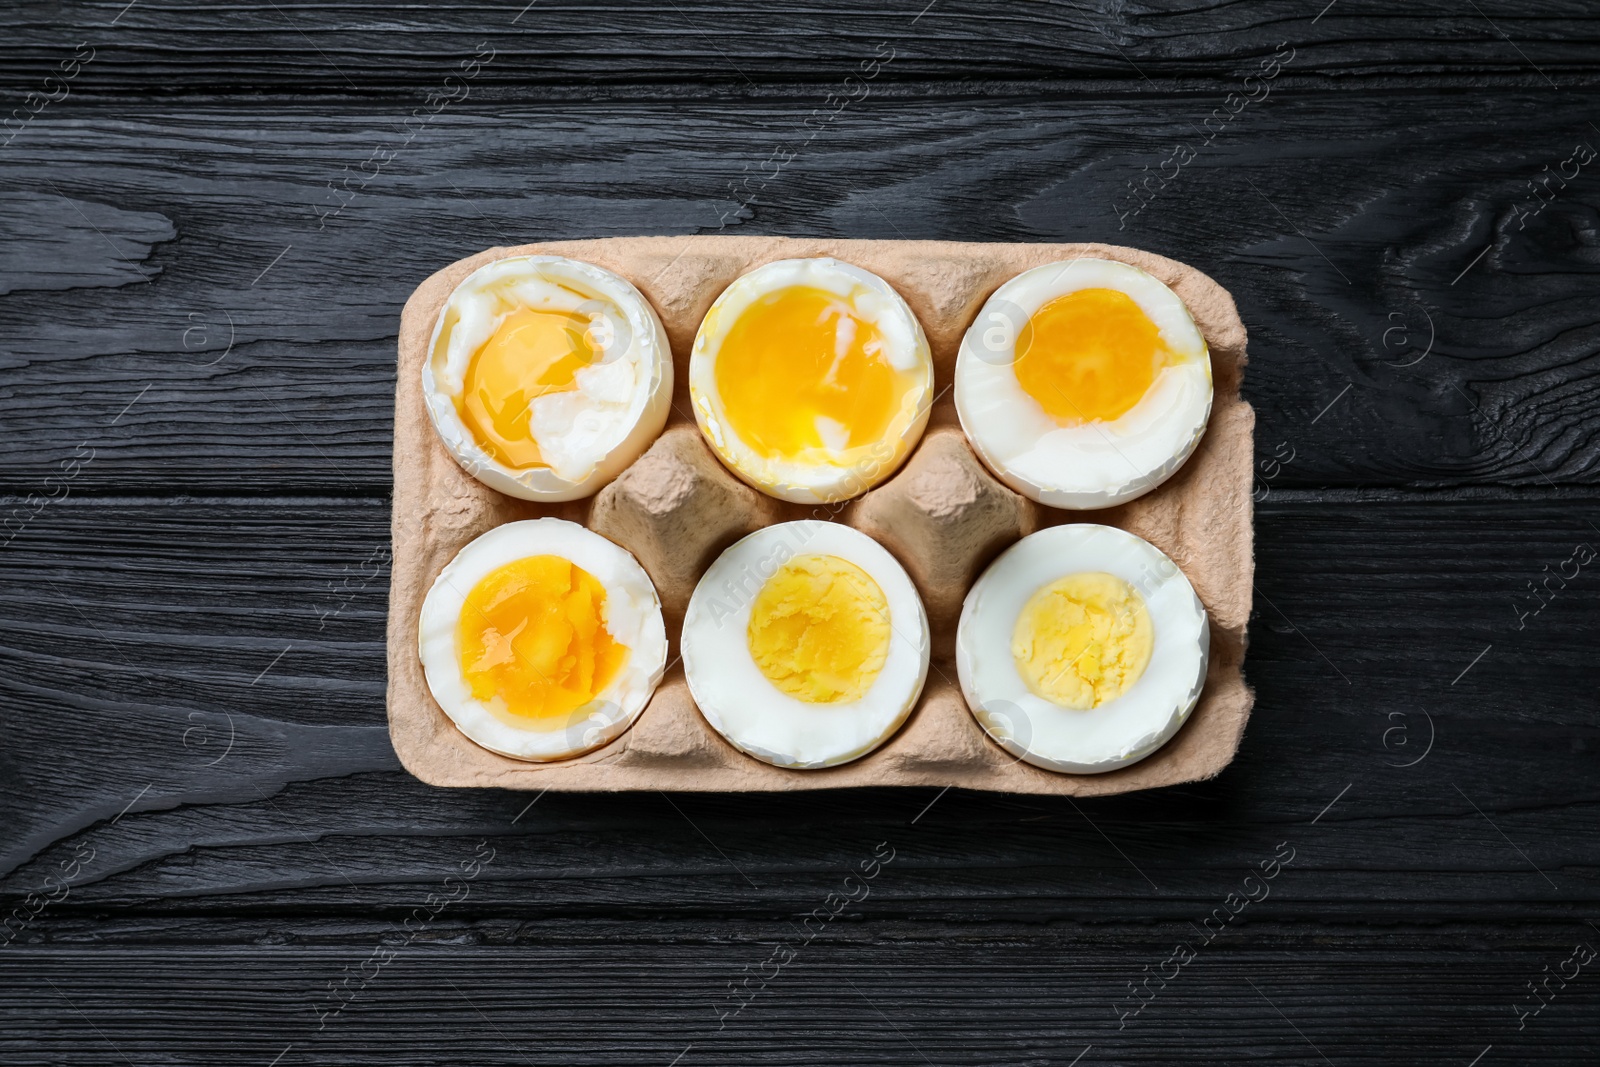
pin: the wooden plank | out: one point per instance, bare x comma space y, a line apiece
1409, 327
1042, 997
195, 393
372, 48
141, 635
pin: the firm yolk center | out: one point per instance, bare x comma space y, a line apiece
1083, 640
533, 642
1089, 356
819, 630
799, 370
530, 353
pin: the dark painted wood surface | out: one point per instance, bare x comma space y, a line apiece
195, 384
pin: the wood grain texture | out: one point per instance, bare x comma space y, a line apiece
195, 535
1270, 998
1375, 244
131, 623
366, 47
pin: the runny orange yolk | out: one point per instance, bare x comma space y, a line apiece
819, 630
530, 353
1089, 356
798, 370
532, 640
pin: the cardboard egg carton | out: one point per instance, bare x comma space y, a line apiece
943, 515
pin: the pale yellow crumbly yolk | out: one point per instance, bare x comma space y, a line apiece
799, 370
1089, 356
530, 353
1083, 640
819, 630
532, 639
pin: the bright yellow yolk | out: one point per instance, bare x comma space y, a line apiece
819, 630
530, 353
798, 370
533, 642
1089, 356
1083, 640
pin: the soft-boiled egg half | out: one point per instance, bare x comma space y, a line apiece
547, 376
811, 379
542, 640
1083, 384
805, 644
1082, 648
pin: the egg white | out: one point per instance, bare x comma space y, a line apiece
1121, 731
587, 435
632, 615
1098, 464
739, 701
830, 474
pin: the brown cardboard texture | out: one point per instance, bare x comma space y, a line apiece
943, 515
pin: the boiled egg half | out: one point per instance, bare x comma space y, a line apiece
542, 640
547, 376
1083, 384
805, 644
811, 379
1082, 648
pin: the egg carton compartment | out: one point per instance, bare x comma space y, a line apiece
943, 515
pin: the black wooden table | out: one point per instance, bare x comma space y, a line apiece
208, 852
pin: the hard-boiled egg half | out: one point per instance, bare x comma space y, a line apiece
542, 640
805, 644
1083, 384
1082, 648
547, 376
811, 379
